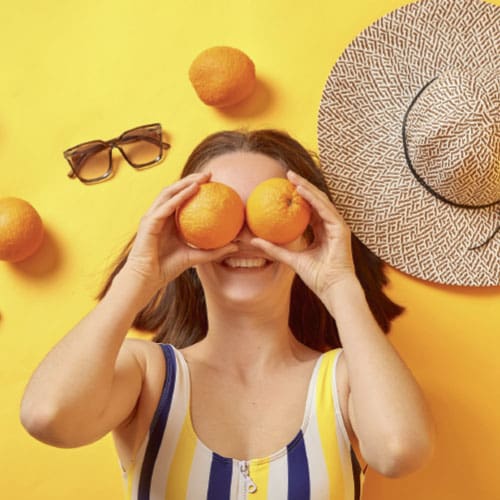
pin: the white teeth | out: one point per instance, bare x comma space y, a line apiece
235, 262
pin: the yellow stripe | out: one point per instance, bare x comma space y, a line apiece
259, 472
180, 467
327, 425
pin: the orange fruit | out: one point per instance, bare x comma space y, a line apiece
276, 212
212, 218
21, 230
222, 76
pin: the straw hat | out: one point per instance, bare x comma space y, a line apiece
409, 138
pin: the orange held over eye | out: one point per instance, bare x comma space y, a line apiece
21, 230
276, 212
222, 76
212, 218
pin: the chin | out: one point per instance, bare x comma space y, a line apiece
244, 297
263, 286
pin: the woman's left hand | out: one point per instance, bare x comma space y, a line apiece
327, 261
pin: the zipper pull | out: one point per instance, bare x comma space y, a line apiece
251, 486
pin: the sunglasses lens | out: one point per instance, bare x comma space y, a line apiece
90, 161
142, 146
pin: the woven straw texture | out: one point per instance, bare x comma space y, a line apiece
453, 139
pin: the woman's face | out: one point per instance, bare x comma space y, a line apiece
248, 276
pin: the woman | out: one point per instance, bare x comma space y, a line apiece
256, 398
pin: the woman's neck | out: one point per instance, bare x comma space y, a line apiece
249, 341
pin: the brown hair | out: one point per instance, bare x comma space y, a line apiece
177, 313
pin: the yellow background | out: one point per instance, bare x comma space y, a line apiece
75, 71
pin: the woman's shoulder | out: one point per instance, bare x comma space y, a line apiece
149, 355
129, 437
143, 347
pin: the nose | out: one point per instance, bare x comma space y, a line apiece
245, 235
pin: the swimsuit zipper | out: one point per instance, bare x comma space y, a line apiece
250, 486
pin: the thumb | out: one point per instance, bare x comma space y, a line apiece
202, 256
276, 252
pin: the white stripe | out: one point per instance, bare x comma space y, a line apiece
200, 474
318, 473
236, 485
137, 470
277, 488
171, 434
342, 438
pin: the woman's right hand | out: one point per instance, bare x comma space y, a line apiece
159, 254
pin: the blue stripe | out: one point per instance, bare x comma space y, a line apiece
221, 471
158, 424
299, 487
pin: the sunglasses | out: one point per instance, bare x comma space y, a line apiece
91, 162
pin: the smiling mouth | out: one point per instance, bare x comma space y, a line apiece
246, 263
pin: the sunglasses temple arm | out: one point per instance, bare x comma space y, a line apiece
70, 174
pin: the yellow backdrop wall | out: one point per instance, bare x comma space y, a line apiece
74, 71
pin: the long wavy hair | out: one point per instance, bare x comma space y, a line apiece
177, 313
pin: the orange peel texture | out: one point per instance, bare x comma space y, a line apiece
276, 212
212, 218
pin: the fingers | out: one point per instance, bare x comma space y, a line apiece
170, 205
170, 191
316, 198
171, 198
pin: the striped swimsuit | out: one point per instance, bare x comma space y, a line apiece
173, 464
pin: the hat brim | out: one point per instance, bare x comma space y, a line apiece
360, 140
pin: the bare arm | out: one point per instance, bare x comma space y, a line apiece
90, 382
386, 407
